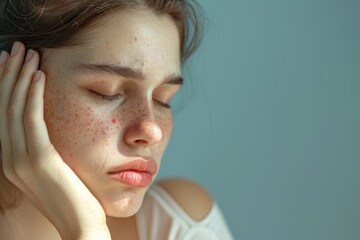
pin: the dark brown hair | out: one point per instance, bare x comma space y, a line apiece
45, 24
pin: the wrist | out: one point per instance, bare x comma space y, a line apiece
89, 234
103, 235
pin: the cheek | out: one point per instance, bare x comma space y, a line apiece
77, 132
165, 122
167, 126
67, 124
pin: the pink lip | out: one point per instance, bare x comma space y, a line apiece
137, 173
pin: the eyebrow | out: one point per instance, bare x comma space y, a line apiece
126, 72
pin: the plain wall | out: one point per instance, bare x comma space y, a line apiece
271, 126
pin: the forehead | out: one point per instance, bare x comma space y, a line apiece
137, 38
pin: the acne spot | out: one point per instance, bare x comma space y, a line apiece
113, 120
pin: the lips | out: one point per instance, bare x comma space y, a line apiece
136, 173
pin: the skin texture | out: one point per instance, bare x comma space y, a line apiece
94, 135
91, 133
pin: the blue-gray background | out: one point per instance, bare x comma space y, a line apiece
271, 125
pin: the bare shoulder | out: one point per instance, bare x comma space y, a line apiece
191, 197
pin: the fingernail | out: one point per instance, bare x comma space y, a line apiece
37, 76
2, 57
29, 55
15, 48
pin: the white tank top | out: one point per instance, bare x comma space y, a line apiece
161, 218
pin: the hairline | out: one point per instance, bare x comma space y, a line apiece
80, 37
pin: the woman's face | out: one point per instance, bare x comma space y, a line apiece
100, 117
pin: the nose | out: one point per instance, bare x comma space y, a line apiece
143, 133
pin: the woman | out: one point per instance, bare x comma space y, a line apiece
82, 138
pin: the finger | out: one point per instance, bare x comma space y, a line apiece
9, 77
3, 58
17, 106
31, 119
37, 137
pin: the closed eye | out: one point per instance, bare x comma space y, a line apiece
164, 93
162, 104
105, 97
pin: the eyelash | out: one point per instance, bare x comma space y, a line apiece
165, 105
108, 98
111, 98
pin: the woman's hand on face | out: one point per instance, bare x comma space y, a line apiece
29, 159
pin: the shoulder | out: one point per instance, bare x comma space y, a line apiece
190, 196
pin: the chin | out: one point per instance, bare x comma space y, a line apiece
122, 205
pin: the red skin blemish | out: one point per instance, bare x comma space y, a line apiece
113, 121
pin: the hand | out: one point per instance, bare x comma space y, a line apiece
32, 163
